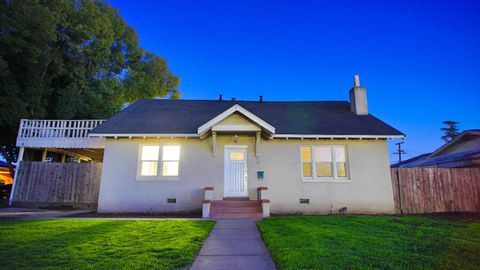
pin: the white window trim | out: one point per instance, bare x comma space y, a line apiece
325, 179
159, 176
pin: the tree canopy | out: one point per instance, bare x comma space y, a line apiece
451, 131
71, 59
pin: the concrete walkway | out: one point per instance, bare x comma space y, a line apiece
234, 244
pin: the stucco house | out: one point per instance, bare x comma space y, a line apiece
246, 158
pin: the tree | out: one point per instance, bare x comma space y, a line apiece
71, 59
451, 131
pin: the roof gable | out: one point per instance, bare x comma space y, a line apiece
235, 109
236, 122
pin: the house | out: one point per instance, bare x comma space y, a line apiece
301, 157
233, 158
461, 152
5, 175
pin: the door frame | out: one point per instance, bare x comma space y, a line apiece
226, 160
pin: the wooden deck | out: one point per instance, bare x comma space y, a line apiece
58, 134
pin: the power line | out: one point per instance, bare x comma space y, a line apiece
399, 151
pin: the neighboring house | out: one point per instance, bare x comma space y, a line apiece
461, 152
5, 175
235, 158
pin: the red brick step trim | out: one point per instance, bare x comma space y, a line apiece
236, 198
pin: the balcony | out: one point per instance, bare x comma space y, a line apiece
58, 134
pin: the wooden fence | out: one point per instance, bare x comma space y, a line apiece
429, 190
57, 184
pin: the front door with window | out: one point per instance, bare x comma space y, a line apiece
235, 171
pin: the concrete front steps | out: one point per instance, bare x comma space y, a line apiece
236, 207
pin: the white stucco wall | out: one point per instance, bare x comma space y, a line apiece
368, 191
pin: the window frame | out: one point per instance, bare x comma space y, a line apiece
170, 160
159, 176
334, 178
140, 162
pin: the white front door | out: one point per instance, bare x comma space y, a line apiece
235, 170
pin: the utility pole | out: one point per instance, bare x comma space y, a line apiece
397, 171
399, 151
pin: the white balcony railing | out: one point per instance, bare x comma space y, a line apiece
58, 133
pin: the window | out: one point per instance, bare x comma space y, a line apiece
324, 161
149, 160
340, 161
170, 160
236, 156
307, 161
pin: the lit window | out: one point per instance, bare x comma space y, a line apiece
149, 160
341, 161
326, 161
170, 160
306, 161
323, 159
236, 156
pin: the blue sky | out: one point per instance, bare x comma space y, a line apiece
420, 60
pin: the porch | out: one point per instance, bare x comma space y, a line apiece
236, 207
55, 156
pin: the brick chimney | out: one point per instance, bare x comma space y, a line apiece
358, 98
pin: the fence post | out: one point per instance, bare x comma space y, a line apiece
399, 193
17, 168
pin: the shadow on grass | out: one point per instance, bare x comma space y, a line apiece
94, 244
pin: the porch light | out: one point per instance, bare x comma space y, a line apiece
235, 138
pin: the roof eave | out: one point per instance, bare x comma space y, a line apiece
278, 136
346, 136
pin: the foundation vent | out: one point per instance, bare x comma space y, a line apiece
304, 201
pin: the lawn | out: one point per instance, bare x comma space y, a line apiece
101, 244
371, 242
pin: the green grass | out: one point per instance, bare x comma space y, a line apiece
369, 242
101, 244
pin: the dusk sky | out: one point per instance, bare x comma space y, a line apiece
419, 60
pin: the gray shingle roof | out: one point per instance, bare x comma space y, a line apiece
444, 161
159, 116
